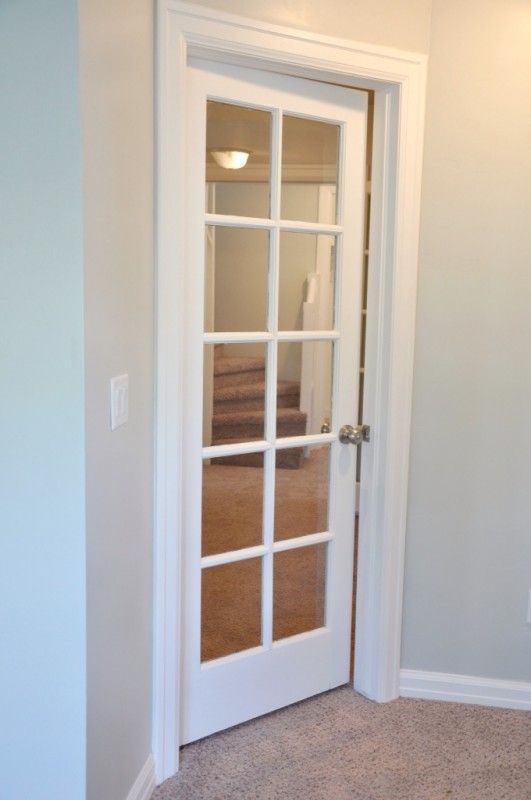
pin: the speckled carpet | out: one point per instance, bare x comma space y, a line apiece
232, 519
340, 746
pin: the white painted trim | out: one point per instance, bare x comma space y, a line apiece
259, 336
465, 689
143, 787
258, 173
398, 79
241, 29
268, 224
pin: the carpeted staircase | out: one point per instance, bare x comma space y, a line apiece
239, 390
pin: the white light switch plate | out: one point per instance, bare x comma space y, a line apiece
529, 606
119, 401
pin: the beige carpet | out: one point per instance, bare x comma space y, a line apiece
339, 746
232, 519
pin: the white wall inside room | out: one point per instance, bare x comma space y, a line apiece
468, 566
117, 124
241, 260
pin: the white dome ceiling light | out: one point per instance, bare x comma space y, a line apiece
230, 159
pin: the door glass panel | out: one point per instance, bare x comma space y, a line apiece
232, 503
233, 393
301, 491
238, 160
231, 608
306, 281
309, 160
236, 268
299, 584
304, 387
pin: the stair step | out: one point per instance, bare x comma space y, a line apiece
237, 371
238, 378
246, 397
228, 365
239, 399
245, 425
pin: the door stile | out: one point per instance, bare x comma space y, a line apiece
349, 305
192, 431
267, 559
271, 382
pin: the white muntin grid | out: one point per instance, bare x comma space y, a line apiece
271, 338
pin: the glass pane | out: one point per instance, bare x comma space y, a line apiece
233, 393
232, 503
304, 387
237, 160
309, 161
231, 606
306, 282
236, 268
299, 587
301, 491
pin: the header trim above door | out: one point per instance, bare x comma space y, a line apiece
398, 80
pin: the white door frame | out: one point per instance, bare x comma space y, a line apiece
398, 79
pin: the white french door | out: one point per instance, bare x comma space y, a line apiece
268, 497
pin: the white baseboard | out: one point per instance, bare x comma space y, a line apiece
465, 689
143, 787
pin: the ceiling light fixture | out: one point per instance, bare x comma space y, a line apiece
230, 159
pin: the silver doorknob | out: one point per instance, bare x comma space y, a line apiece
349, 434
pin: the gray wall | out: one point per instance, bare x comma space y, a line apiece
42, 560
469, 532
242, 266
117, 114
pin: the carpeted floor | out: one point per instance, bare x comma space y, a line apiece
340, 746
232, 519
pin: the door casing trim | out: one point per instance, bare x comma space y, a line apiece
398, 79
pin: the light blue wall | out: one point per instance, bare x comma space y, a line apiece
42, 558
